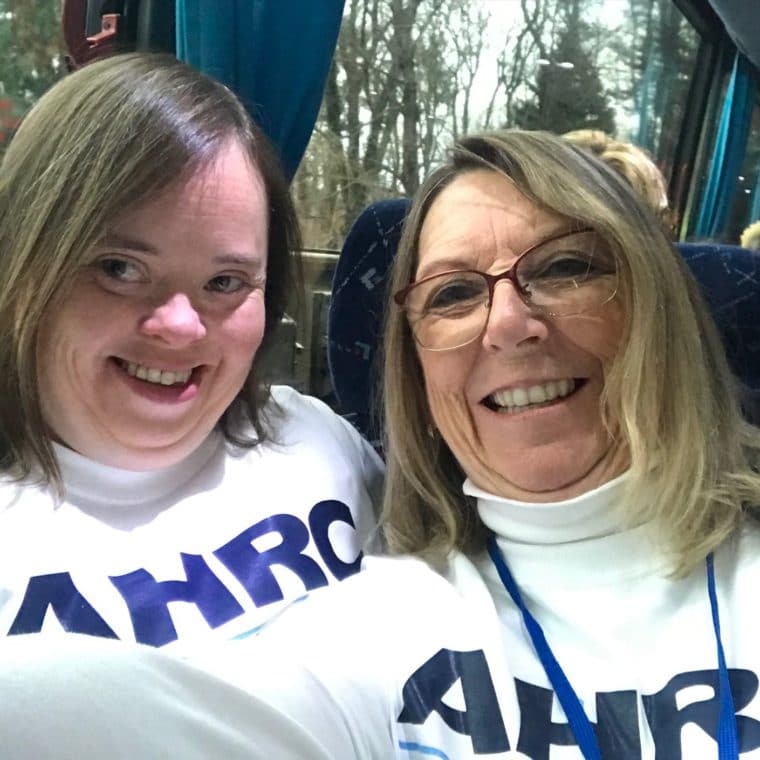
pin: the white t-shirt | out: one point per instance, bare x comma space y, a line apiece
402, 661
209, 548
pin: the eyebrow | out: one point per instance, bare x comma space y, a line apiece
449, 264
457, 261
133, 244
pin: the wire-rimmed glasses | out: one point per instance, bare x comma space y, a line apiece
566, 274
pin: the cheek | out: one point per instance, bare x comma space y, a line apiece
446, 375
446, 372
598, 335
243, 331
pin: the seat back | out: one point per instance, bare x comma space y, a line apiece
355, 321
729, 277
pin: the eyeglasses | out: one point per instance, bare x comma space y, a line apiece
569, 273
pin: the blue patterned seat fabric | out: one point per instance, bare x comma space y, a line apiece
729, 277
355, 321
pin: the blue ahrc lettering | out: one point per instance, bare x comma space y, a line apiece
617, 728
254, 569
148, 600
480, 720
58, 592
666, 720
323, 514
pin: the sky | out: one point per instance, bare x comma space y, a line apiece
505, 15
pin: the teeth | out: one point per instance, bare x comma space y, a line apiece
535, 394
158, 376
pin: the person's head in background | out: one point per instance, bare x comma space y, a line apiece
751, 237
142, 214
631, 162
629, 357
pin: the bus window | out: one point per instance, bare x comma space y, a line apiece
745, 196
31, 58
407, 78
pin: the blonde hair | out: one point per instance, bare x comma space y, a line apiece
630, 161
109, 137
669, 394
751, 236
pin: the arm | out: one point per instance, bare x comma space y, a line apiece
82, 698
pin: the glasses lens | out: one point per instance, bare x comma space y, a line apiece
448, 310
570, 275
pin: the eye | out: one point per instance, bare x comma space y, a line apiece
567, 265
120, 270
564, 268
454, 293
226, 283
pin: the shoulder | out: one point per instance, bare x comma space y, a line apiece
292, 418
286, 407
744, 548
392, 602
737, 560
33, 495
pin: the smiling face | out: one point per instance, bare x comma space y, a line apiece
160, 328
519, 407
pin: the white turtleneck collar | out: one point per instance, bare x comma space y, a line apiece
573, 542
92, 485
589, 515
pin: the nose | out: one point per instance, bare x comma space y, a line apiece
511, 322
175, 321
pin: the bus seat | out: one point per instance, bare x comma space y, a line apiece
728, 275
355, 320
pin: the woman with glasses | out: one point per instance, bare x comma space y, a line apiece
570, 494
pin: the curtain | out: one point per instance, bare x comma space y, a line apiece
728, 153
275, 54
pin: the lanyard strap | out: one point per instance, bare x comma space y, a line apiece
728, 743
579, 723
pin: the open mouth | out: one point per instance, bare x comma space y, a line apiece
157, 376
532, 397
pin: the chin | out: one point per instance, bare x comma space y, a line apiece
562, 480
550, 492
141, 457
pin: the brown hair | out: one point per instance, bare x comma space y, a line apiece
103, 140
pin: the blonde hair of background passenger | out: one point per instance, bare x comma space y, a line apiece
631, 162
751, 237
106, 138
669, 392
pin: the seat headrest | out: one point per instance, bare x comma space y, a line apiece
356, 309
728, 275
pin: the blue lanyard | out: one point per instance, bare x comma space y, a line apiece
580, 725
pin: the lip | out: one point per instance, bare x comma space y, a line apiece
164, 394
